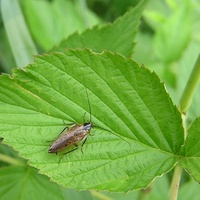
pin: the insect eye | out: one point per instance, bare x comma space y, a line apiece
87, 127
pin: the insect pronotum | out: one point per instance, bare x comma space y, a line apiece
72, 136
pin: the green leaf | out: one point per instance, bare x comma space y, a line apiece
25, 183
189, 190
191, 151
19, 38
116, 37
174, 35
50, 22
159, 189
6, 58
125, 99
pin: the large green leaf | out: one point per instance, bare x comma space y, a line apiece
125, 99
191, 151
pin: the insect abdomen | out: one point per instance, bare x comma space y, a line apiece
58, 146
68, 140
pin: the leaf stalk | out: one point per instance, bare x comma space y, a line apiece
190, 88
175, 182
185, 102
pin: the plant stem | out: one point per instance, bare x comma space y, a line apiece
99, 195
10, 160
175, 182
190, 88
185, 102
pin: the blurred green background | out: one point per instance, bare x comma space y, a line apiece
167, 42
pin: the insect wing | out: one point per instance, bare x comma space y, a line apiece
68, 138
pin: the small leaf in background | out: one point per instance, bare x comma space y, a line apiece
191, 151
116, 37
173, 37
6, 57
51, 22
25, 183
21, 182
125, 99
189, 190
18, 35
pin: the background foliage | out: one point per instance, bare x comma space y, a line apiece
167, 42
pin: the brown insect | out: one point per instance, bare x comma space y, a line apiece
72, 136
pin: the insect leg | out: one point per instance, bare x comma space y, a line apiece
68, 124
76, 147
66, 128
83, 144
63, 130
84, 117
58, 135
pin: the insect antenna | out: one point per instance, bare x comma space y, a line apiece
98, 126
89, 104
